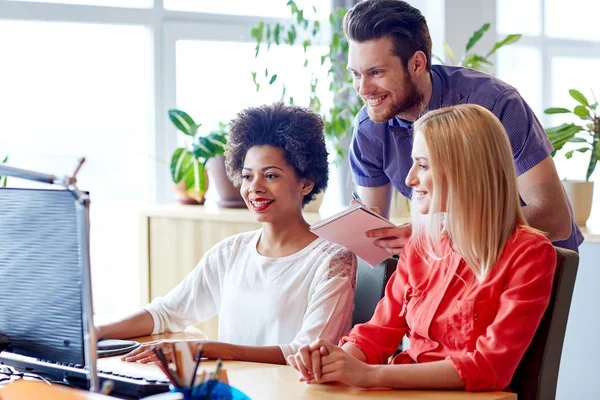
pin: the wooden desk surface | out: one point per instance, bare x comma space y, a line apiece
256, 380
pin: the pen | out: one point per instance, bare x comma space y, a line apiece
356, 197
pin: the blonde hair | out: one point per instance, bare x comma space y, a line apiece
472, 164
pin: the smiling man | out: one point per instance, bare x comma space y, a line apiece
390, 61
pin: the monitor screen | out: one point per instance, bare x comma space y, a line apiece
40, 275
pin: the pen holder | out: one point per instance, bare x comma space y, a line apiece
211, 390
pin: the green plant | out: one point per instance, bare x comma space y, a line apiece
3, 178
472, 59
586, 132
346, 103
188, 162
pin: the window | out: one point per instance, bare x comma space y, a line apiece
110, 3
216, 90
263, 8
560, 50
71, 90
583, 17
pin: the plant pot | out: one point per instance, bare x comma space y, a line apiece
580, 195
229, 195
315, 205
192, 196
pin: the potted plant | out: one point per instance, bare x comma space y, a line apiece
229, 195
188, 163
586, 134
339, 116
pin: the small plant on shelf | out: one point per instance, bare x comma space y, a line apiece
188, 163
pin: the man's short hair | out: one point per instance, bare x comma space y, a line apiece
394, 19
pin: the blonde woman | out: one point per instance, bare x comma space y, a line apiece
472, 283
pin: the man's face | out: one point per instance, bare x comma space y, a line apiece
382, 81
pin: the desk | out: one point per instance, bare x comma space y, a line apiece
258, 381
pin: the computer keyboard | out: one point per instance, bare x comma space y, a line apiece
125, 384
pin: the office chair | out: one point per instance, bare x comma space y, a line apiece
537, 374
370, 288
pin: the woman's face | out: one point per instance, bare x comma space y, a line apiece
419, 177
270, 186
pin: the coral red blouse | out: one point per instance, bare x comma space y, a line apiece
483, 329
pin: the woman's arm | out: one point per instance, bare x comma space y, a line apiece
227, 351
135, 325
213, 350
431, 375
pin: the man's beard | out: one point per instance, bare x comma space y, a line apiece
411, 100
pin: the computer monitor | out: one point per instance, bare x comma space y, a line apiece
45, 288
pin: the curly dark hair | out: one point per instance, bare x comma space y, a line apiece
394, 19
298, 131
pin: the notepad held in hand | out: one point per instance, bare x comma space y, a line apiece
348, 228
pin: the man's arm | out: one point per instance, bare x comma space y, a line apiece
547, 208
378, 197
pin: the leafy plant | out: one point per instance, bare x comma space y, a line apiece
586, 133
346, 104
472, 59
3, 178
188, 163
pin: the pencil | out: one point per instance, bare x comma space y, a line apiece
164, 367
198, 358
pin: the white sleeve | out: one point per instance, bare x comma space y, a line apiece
329, 311
193, 300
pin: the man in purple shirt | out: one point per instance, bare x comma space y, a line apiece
390, 60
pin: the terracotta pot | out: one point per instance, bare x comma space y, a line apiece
580, 195
229, 195
191, 196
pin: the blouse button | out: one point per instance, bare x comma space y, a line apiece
460, 96
476, 317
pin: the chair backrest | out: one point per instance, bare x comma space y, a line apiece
537, 374
370, 288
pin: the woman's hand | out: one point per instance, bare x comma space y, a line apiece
145, 353
322, 362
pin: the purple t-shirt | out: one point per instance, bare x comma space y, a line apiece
380, 152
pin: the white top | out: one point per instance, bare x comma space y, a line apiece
261, 301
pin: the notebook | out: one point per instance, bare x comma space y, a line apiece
348, 228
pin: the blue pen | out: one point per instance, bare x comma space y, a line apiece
356, 197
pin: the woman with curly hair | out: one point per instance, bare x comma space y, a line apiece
276, 288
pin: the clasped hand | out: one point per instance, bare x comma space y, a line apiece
322, 362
